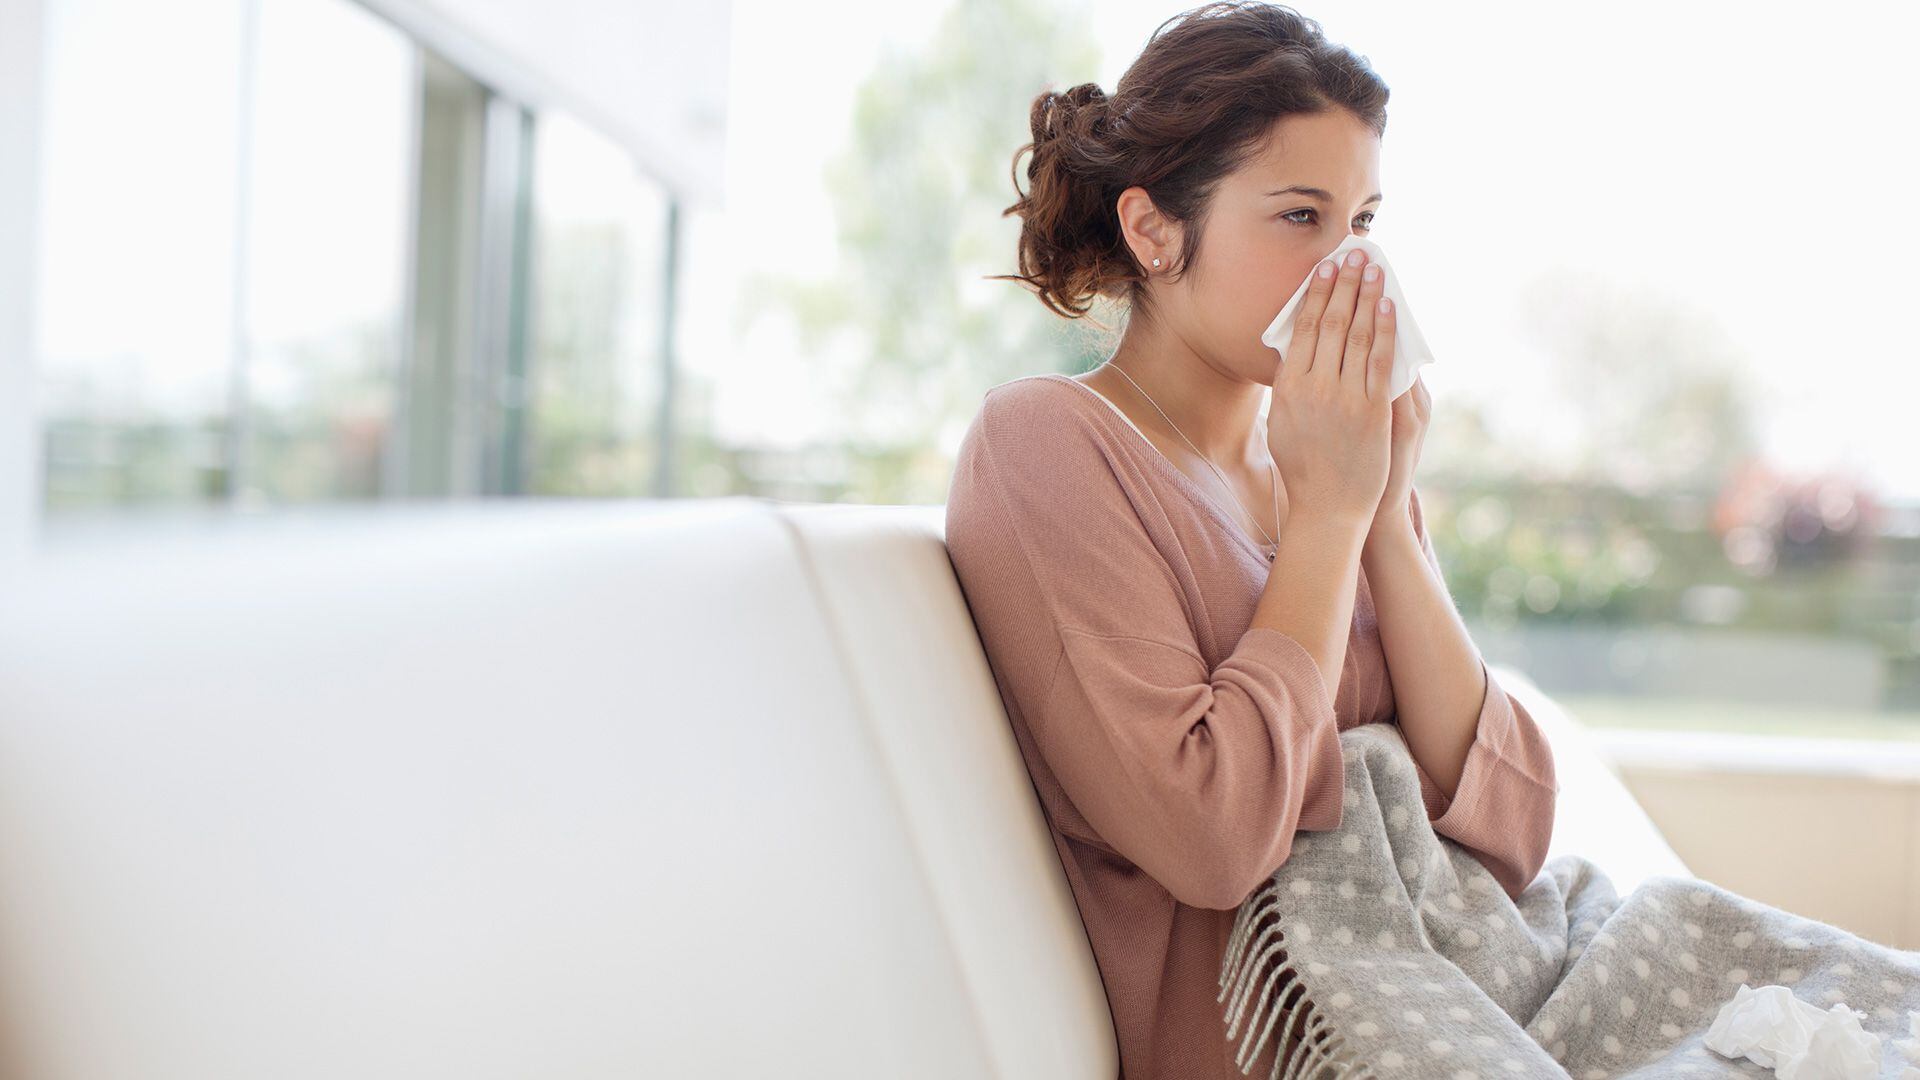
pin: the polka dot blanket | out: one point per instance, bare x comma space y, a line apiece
1392, 952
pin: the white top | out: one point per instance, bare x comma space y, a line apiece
1116, 411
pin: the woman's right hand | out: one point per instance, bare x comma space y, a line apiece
1330, 424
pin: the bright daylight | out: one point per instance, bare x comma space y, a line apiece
1018, 539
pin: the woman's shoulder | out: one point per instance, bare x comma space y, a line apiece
1046, 390
1043, 415
1031, 434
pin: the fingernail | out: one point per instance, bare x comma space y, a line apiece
1326, 269
1372, 271
1354, 257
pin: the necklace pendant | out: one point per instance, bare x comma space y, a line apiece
1272, 552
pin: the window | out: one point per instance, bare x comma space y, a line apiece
328, 156
138, 263
290, 254
600, 239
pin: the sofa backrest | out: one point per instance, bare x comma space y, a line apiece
703, 788
930, 703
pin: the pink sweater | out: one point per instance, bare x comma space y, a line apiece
1175, 749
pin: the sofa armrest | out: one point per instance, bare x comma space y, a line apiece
1597, 817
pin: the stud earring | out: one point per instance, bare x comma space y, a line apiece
1156, 262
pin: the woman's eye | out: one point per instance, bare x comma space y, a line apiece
1367, 224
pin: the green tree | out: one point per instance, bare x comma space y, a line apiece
905, 334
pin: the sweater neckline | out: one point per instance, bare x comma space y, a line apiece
1180, 479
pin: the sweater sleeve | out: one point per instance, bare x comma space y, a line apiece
1503, 808
1198, 776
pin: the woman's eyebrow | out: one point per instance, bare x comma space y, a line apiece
1318, 193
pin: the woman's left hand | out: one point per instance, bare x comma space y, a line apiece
1411, 411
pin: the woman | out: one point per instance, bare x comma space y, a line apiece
1184, 600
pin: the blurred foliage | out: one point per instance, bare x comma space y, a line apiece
1741, 717
904, 330
1650, 381
94, 462
1520, 553
319, 415
595, 368
322, 432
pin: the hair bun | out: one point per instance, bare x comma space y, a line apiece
1077, 112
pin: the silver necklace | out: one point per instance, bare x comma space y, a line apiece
1273, 546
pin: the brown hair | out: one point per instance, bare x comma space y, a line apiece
1199, 102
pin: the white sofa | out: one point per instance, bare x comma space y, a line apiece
566, 789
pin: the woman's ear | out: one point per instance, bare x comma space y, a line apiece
1148, 232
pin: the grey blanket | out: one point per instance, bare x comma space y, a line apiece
1393, 952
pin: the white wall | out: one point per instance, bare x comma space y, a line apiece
22, 49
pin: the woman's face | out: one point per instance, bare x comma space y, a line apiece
1261, 240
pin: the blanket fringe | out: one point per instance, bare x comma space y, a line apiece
1321, 1045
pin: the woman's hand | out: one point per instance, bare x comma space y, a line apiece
1411, 412
1329, 424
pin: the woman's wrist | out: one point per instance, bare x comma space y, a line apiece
1391, 539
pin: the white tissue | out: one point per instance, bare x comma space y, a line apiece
1410, 352
1795, 1039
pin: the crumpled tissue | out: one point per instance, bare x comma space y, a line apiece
1410, 352
1799, 1041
